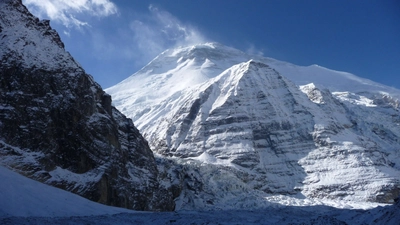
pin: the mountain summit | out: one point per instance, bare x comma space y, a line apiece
179, 68
257, 127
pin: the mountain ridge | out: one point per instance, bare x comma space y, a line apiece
156, 84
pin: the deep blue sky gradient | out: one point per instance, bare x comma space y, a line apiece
359, 36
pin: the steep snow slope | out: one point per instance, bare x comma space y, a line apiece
331, 79
171, 72
252, 130
20, 196
234, 119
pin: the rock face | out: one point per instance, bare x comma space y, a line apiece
58, 126
237, 130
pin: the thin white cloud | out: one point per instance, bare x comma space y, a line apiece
252, 50
173, 29
135, 42
162, 30
67, 33
132, 42
67, 12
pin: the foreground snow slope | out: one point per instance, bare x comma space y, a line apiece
25, 201
21, 196
221, 120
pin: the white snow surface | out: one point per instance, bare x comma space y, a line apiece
23, 197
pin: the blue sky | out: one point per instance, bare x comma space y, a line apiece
113, 39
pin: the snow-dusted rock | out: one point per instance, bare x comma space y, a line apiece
58, 126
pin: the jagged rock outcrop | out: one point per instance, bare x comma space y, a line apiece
58, 126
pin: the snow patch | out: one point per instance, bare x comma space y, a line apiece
354, 99
313, 93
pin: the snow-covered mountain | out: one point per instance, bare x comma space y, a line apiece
242, 133
58, 126
257, 127
177, 69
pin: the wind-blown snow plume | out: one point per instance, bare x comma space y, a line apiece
162, 30
66, 12
253, 50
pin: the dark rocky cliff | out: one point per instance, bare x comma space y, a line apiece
58, 126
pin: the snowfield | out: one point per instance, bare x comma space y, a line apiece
23, 197
25, 201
